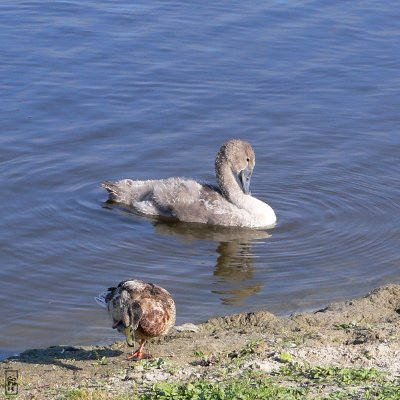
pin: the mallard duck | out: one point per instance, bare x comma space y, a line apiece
139, 310
228, 204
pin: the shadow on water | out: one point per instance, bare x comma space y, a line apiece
60, 355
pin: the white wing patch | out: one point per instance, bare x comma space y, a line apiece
101, 299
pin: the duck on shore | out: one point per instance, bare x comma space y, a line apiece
139, 310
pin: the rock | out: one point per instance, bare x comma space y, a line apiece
187, 328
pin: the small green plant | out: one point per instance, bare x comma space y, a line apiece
250, 348
155, 363
351, 325
101, 361
285, 357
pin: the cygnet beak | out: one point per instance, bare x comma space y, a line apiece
245, 178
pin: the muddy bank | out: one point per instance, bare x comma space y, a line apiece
364, 332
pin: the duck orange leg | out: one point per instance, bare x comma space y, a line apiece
139, 354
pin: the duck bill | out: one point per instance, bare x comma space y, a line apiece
244, 179
129, 336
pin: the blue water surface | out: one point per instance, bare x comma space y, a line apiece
100, 90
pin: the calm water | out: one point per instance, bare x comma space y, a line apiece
100, 90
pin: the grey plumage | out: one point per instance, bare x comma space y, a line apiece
228, 204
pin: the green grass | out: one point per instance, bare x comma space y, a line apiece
388, 391
87, 394
83, 394
318, 383
291, 382
243, 388
347, 376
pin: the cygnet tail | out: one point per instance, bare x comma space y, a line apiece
101, 299
113, 190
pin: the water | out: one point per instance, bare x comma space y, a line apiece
101, 90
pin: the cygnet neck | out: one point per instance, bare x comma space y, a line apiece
259, 213
227, 183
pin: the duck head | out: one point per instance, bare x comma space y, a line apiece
127, 315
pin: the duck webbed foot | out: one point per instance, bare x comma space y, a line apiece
139, 354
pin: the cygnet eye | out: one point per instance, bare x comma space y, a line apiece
248, 159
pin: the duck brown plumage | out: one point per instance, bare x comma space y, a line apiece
140, 310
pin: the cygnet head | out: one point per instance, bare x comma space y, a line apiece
235, 159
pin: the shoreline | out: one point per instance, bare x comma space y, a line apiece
362, 334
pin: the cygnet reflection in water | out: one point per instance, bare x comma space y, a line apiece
191, 231
228, 204
234, 270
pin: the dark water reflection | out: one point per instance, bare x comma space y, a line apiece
235, 268
235, 261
